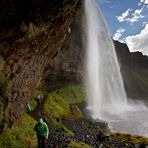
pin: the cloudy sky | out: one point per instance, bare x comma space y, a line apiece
128, 22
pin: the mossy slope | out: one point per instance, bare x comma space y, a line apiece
60, 103
128, 138
21, 135
75, 144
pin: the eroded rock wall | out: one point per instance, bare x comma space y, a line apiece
67, 67
134, 69
33, 48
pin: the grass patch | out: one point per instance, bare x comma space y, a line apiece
55, 105
75, 144
69, 132
125, 137
72, 94
21, 135
59, 105
59, 102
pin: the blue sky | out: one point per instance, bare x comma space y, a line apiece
128, 22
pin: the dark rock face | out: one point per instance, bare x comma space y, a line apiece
32, 34
67, 66
15, 15
134, 69
25, 68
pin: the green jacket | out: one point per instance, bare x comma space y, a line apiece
41, 128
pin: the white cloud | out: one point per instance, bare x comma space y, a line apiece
118, 33
136, 15
139, 42
138, 11
139, 4
144, 1
124, 15
131, 16
143, 24
135, 18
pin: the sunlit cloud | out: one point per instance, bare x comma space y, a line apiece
118, 34
139, 42
144, 1
123, 16
135, 18
131, 16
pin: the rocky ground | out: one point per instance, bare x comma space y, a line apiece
84, 131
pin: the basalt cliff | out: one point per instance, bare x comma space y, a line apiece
134, 69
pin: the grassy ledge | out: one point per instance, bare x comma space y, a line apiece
21, 135
128, 138
75, 144
60, 105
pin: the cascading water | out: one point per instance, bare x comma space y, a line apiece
103, 78
103, 82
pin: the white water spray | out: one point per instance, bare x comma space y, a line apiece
104, 86
103, 79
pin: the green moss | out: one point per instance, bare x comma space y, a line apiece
1, 63
75, 144
58, 104
68, 131
21, 135
72, 94
75, 113
32, 30
125, 137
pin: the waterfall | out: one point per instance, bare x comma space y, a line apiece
103, 81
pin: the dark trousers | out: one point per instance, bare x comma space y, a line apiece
41, 141
40, 107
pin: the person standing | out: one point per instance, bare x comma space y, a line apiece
42, 132
39, 101
29, 108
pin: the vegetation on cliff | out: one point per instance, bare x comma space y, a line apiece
128, 138
21, 134
75, 144
60, 104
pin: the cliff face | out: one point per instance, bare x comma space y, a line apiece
134, 69
16, 16
67, 66
32, 34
